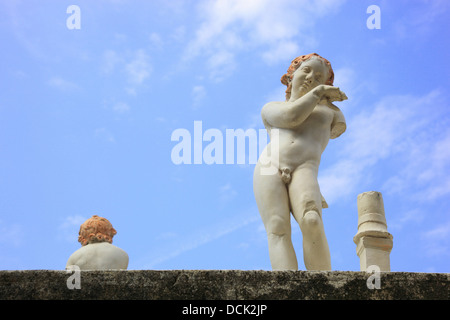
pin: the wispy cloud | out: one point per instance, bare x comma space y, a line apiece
347, 80
104, 134
396, 132
226, 193
418, 20
109, 62
278, 94
185, 243
11, 234
402, 219
156, 41
69, 227
275, 28
198, 95
139, 68
121, 107
20, 27
118, 107
62, 84
437, 240
135, 65
427, 166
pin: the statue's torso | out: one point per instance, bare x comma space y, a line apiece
306, 142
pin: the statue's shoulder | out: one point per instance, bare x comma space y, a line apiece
272, 104
269, 109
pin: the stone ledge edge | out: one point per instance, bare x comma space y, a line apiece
221, 285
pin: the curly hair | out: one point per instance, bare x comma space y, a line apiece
96, 229
286, 79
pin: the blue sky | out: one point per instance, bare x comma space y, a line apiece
86, 118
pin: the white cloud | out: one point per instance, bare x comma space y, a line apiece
198, 94
400, 220
278, 29
139, 68
221, 65
436, 241
340, 179
62, 84
120, 38
178, 34
401, 132
345, 78
285, 50
121, 107
227, 193
441, 232
426, 166
104, 134
69, 228
417, 20
116, 106
156, 41
109, 62
135, 65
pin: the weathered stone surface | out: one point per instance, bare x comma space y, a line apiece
220, 285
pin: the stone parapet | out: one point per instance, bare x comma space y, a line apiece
220, 285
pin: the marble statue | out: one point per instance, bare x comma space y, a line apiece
303, 123
97, 251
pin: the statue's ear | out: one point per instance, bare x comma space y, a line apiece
338, 126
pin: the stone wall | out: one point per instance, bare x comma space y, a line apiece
220, 285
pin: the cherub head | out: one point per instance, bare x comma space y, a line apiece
286, 79
96, 229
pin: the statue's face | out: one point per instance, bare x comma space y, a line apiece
309, 75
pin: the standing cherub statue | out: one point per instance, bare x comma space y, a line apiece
97, 251
304, 123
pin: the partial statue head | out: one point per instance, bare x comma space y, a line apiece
96, 229
286, 79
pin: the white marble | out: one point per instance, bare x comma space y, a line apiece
97, 251
373, 241
303, 124
99, 256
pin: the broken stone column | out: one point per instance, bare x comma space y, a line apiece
373, 241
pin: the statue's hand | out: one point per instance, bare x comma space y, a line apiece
330, 93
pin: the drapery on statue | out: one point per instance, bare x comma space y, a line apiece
97, 252
299, 130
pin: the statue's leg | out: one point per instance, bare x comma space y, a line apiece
273, 203
306, 203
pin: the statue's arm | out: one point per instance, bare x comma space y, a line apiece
290, 114
339, 125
